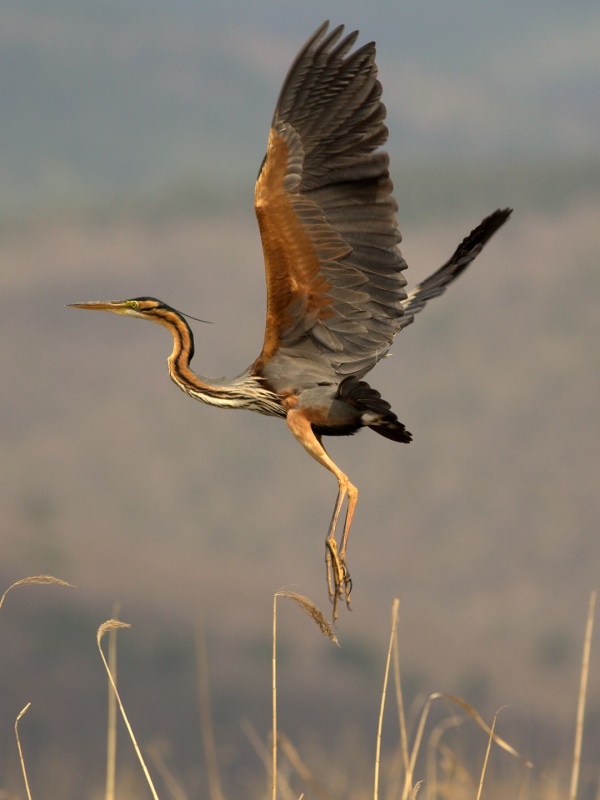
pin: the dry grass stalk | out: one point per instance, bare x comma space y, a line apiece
30, 581
35, 579
206, 724
395, 605
111, 734
433, 746
395, 772
416, 747
175, 789
107, 627
303, 771
487, 756
585, 670
317, 616
21, 713
265, 757
313, 612
274, 701
400, 704
457, 782
256, 742
478, 719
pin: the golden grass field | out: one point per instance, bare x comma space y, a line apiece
422, 763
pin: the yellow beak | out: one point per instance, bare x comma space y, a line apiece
116, 307
98, 305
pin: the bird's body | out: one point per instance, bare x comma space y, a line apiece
335, 285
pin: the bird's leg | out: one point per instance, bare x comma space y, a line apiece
352, 493
337, 572
338, 578
336, 559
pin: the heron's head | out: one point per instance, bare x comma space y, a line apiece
139, 307
147, 308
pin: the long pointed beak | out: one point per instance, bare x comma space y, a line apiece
99, 305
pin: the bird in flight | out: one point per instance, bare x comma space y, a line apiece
335, 285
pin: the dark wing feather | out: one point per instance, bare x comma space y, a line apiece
326, 213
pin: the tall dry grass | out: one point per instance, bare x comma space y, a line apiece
288, 776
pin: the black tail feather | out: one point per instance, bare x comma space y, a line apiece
376, 412
465, 253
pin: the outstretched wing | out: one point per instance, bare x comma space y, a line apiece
467, 251
326, 213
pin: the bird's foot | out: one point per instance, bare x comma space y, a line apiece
339, 582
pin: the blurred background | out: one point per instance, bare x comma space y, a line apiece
132, 133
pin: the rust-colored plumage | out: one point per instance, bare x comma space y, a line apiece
334, 274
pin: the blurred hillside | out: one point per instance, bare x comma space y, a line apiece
486, 526
104, 97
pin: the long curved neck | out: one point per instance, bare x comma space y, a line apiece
245, 391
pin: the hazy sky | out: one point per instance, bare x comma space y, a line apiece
101, 96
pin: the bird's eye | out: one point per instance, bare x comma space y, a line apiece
133, 304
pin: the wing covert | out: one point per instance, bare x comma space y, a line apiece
326, 213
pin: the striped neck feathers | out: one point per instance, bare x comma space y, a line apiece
244, 391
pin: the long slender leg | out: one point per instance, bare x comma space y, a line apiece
338, 577
352, 498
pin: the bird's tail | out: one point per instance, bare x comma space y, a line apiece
376, 413
467, 251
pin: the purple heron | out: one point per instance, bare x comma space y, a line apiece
334, 273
